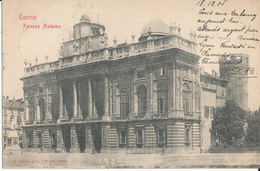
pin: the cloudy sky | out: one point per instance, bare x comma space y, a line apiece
122, 18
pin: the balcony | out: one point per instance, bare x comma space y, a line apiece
115, 53
160, 116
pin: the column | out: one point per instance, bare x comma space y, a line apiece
106, 100
150, 92
132, 94
61, 103
27, 110
89, 141
90, 104
75, 101
174, 87
106, 92
79, 101
37, 109
177, 97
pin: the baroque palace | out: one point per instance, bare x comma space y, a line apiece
135, 97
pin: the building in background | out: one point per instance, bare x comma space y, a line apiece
12, 111
144, 96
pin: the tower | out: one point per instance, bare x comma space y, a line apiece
235, 69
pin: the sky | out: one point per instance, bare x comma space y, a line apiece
122, 18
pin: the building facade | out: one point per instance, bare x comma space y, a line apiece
13, 111
139, 97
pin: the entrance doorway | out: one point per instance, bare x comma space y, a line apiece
66, 137
96, 135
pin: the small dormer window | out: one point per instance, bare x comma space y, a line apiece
94, 31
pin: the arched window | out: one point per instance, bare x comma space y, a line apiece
162, 99
42, 109
11, 118
124, 102
186, 98
142, 100
19, 120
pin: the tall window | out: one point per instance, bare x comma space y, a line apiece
206, 111
161, 137
30, 140
139, 137
186, 98
11, 118
212, 112
39, 140
162, 99
42, 109
122, 138
53, 140
142, 99
124, 102
19, 120
187, 136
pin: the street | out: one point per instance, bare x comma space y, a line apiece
118, 160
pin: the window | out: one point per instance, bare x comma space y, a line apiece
95, 31
11, 118
142, 100
39, 140
187, 136
139, 137
122, 138
124, 102
186, 99
161, 137
41, 104
9, 142
162, 99
141, 74
30, 140
53, 141
19, 120
212, 112
206, 111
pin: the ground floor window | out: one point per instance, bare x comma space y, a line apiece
122, 138
187, 136
53, 140
39, 140
161, 137
30, 140
139, 137
9, 142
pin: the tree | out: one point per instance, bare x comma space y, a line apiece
253, 130
228, 123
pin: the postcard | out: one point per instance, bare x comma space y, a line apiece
130, 84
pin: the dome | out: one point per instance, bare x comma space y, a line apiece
156, 28
84, 18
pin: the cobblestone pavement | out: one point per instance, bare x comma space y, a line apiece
118, 160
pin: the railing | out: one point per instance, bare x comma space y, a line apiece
160, 116
114, 53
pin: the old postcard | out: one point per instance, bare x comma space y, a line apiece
131, 84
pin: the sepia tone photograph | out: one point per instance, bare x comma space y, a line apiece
108, 84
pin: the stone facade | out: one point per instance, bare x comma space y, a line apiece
139, 97
13, 111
